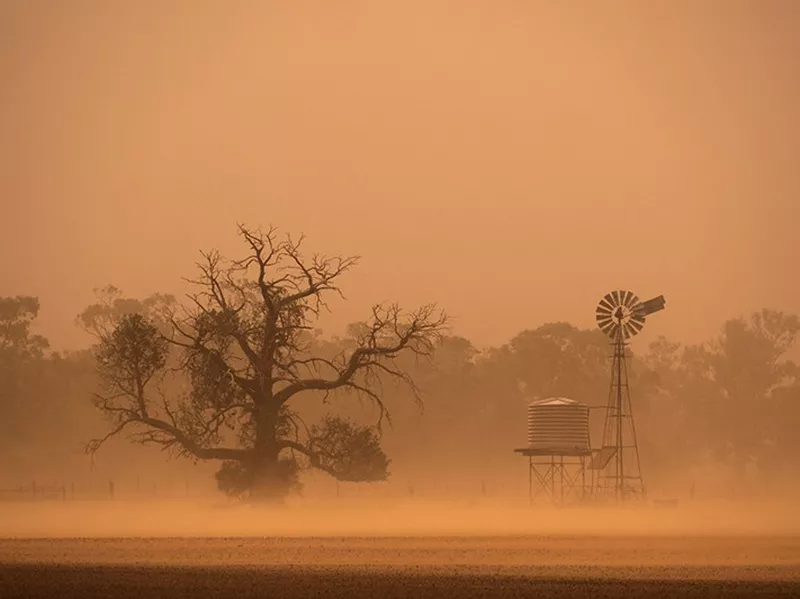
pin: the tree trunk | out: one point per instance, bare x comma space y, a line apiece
269, 484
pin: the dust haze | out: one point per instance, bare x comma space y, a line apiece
453, 187
482, 155
501, 517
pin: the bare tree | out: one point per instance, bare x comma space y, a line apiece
242, 344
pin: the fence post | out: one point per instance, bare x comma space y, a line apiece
111, 489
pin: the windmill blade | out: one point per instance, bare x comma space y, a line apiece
603, 310
627, 299
625, 331
622, 297
605, 324
636, 325
607, 301
631, 300
616, 297
631, 328
602, 316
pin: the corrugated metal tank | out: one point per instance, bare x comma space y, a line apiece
558, 425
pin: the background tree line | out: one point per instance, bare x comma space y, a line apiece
721, 414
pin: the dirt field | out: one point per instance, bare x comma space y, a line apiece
557, 566
123, 582
173, 550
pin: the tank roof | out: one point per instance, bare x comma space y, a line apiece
556, 401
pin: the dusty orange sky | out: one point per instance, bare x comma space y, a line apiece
511, 160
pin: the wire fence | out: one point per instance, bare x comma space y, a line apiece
33, 492
100, 490
140, 489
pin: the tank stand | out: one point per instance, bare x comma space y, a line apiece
559, 478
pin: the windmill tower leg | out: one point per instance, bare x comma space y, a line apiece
622, 476
619, 354
635, 475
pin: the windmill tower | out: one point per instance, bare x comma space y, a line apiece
621, 315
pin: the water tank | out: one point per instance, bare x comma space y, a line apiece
558, 425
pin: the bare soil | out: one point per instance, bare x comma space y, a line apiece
383, 567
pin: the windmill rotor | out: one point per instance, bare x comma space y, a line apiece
621, 315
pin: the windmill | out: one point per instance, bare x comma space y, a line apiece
621, 315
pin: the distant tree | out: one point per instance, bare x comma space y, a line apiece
101, 318
21, 356
448, 428
739, 391
669, 450
16, 340
41, 423
554, 360
558, 359
243, 347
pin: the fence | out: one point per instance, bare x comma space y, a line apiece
33, 492
102, 490
138, 489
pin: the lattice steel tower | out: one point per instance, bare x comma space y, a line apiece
621, 315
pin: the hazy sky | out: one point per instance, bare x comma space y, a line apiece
511, 160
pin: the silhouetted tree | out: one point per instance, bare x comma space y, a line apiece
243, 344
732, 398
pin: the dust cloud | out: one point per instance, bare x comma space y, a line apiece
453, 518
